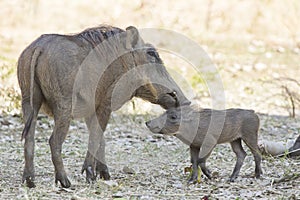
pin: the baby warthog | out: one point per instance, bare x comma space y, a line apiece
203, 129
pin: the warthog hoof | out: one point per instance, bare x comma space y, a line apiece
90, 175
28, 177
104, 175
102, 170
29, 181
258, 173
63, 179
193, 180
231, 179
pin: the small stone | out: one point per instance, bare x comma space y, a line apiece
6, 123
128, 170
260, 66
247, 68
118, 195
280, 49
178, 185
296, 50
215, 174
75, 197
111, 183
268, 55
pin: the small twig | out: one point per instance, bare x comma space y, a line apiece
288, 93
290, 96
287, 178
287, 153
288, 79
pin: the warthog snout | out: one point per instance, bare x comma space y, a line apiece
154, 126
167, 124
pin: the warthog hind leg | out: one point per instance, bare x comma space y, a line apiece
240, 154
252, 144
56, 140
30, 117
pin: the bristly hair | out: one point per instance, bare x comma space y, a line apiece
96, 35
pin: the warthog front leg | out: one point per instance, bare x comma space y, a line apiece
194, 160
89, 166
204, 169
56, 140
101, 167
96, 149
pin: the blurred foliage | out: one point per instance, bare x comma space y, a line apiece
198, 83
6, 68
10, 98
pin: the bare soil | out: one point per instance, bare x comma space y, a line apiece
145, 166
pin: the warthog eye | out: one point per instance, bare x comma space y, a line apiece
152, 53
174, 117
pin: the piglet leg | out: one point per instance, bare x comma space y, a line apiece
240, 154
194, 160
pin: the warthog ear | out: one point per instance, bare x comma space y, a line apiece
133, 38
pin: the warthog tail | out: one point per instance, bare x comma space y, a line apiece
33, 63
27, 126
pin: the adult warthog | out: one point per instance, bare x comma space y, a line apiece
88, 75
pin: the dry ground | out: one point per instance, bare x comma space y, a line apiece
157, 164
252, 43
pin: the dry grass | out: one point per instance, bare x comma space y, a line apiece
157, 162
